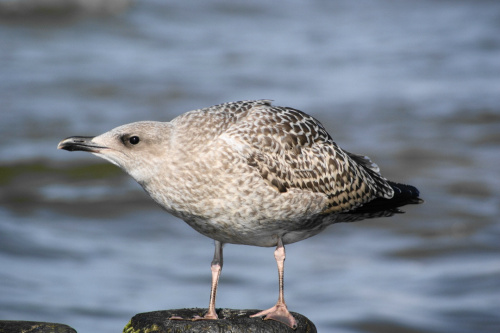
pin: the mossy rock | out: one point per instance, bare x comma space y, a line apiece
230, 321
18, 326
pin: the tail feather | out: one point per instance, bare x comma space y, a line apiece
403, 195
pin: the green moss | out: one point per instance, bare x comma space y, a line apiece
130, 329
153, 328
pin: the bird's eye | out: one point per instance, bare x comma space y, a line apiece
134, 140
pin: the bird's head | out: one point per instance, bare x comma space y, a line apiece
138, 148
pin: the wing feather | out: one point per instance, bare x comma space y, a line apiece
291, 149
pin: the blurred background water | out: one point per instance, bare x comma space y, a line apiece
413, 84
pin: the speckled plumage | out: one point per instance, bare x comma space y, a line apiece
245, 172
249, 173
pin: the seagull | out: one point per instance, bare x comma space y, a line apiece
250, 173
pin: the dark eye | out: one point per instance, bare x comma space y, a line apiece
134, 140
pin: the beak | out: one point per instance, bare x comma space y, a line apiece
83, 143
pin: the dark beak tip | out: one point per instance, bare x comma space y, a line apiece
66, 147
78, 143
62, 145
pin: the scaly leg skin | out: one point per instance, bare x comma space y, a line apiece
216, 268
279, 312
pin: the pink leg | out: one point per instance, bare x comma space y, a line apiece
279, 312
216, 268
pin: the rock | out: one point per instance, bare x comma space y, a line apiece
230, 321
18, 326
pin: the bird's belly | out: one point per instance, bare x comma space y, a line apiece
252, 213
253, 232
260, 223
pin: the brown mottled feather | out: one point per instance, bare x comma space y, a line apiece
293, 150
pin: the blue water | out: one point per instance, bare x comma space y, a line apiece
413, 84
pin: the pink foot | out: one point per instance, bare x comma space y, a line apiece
205, 317
280, 313
210, 315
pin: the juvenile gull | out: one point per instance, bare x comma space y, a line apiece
249, 173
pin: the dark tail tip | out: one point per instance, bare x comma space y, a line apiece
405, 194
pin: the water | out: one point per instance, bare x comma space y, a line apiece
415, 85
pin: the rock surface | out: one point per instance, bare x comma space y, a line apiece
18, 326
230, 321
